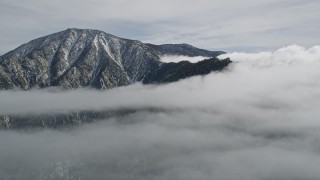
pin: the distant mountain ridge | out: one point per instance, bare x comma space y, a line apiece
183, 49
91, 58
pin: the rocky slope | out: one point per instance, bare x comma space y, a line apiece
88, 58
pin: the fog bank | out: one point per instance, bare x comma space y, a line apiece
258, 120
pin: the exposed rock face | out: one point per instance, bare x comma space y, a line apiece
85, 58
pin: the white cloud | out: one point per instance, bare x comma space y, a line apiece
258, 120
175, 58
285, 56
258, 73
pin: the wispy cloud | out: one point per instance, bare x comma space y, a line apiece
174, 58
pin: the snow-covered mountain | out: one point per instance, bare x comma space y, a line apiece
81, 57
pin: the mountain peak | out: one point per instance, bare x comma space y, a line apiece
87, 31
84, 57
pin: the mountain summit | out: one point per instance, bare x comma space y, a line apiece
90, 58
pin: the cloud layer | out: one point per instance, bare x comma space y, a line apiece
258, 120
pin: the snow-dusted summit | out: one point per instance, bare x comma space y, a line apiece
81, 57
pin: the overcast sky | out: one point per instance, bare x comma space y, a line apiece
230, 25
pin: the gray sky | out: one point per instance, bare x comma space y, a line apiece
230, 25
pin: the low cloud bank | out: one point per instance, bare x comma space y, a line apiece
286, 56
174, 58
257, 120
